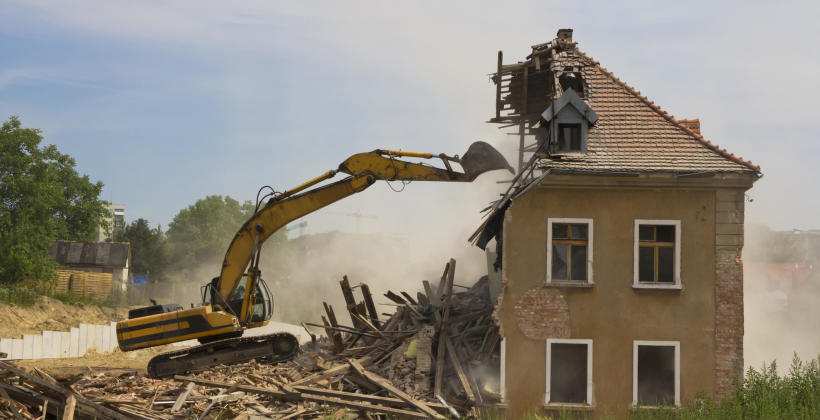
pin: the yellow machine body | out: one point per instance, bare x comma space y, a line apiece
238, 299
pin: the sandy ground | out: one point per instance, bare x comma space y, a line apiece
54, 315
135, 360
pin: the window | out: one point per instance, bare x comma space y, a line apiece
569, 250
657, 254
656, 373
569, 138
569, 371
572, 81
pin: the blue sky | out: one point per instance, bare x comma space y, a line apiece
167, 102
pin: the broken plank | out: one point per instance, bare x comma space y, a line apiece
409, 298
182, 397
371, 307
14, 410
389, 387
347, 292
465, 384
334, 371
450, 277
103, 412
70, 404
374, 399
395, 298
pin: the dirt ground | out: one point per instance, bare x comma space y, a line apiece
52, 314
135, 360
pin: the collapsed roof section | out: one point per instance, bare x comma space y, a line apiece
632, 134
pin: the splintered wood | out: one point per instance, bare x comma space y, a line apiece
436, 353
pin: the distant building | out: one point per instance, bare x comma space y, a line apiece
91, 269
115, 221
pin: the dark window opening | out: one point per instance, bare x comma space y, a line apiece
656, 253
568, 373
569, 137
656, 375
572, 81
569, 251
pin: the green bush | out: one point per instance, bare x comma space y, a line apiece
763, 394
18, 294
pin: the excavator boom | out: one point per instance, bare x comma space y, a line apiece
238, 299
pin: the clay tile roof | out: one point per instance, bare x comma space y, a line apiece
634, 134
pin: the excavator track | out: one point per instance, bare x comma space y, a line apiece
271, 348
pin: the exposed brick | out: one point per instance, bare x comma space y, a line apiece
728, 319
543, 313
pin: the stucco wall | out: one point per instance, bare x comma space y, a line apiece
611, 313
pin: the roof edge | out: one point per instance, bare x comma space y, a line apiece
722, 152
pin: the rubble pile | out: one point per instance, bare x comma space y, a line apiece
435, 356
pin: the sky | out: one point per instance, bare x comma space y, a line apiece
167, 102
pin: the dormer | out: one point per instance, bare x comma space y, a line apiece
568, 121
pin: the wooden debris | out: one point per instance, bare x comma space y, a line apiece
426, 351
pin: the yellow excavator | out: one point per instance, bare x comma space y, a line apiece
239, 299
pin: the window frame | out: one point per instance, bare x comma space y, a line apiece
503, 371
575, 127
590, 244
590, 386
635, 345
636, 283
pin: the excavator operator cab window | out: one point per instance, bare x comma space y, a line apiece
238, 296
263, 303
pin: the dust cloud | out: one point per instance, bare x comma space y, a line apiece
781, 295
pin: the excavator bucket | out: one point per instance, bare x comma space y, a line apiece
481, 157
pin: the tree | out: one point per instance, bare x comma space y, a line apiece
200, 234
42, 198
148, 248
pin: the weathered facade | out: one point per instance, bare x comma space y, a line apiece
620, 243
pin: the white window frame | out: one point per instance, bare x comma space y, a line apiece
503, 375
590, 388
590, 246
636, 284
635, 345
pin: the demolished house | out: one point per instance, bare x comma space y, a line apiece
619, 244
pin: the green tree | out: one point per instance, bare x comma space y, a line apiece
42, 198
199, 235
148, 248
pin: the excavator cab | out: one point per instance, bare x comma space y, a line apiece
262, 308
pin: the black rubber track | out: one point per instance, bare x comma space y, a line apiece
271, 348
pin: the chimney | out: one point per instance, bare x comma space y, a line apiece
693, 124
565, 35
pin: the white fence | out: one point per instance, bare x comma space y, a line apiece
61, 344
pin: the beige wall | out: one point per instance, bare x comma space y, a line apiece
612, 313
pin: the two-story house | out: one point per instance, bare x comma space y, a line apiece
620, 252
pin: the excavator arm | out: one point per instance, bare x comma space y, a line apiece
220, 322
363, 169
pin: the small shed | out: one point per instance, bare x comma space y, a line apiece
91, 269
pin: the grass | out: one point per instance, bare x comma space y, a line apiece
18, 294
762, 394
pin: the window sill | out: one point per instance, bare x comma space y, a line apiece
634, 407
566, 283
556, 406
653, 286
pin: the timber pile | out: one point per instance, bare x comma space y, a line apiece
426, 360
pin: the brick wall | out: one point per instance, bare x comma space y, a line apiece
728, 289
543, 313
